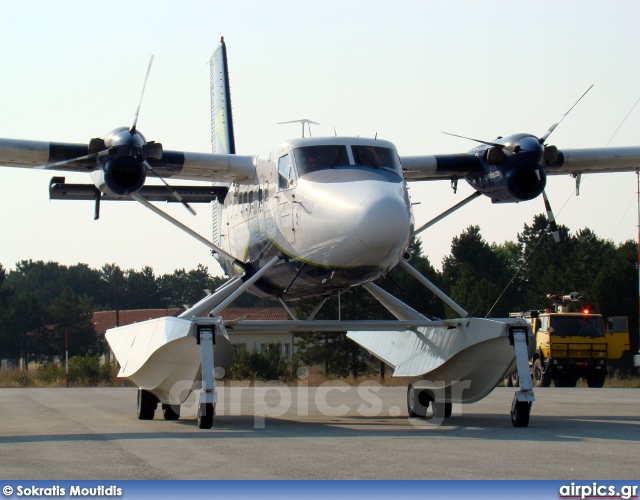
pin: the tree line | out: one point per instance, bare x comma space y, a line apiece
40, 300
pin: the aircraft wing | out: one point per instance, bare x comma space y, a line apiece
172, 164
569, 161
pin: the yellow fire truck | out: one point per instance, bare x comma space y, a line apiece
573, 345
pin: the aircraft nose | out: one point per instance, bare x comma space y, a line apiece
382, 222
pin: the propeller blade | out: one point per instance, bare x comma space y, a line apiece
175, 194
552, 220
144, 86
494, 144
553, 127
57, 165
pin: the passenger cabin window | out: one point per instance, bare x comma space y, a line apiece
312, 158
285, 172
376, 157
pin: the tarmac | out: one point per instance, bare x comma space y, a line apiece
318, 433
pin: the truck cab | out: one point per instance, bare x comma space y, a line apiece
570, 346
574, 345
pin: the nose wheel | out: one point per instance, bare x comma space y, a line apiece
205, 414
520, 411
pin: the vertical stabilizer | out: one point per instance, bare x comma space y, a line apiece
222, 138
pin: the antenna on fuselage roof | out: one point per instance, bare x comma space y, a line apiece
304, 122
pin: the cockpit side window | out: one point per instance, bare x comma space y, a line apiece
376, 157
312, 158
285, 172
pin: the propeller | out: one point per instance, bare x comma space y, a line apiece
144, 86
175, 194
551, 154
550, 130
122, 158
525, 143
552, 219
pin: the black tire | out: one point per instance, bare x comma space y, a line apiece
205, 415
537, 373
507, 381
442, 410
515, 380
570, 381
147, 404
417, 402
558, 381
171, 412
596, 378
520, 414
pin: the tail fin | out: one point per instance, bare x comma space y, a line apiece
222, 138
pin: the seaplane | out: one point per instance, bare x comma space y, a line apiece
313, 217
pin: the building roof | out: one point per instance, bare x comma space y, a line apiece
103, 320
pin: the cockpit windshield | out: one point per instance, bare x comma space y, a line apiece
311, 158
376, 157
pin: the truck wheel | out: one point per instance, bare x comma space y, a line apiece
596, 378
536, 373
564, 380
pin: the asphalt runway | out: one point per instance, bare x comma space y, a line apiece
318, 433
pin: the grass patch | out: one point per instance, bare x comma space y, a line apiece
87, 372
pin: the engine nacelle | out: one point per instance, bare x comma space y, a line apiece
119, 176
509, 183
526, 183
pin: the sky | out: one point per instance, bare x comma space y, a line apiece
404, 70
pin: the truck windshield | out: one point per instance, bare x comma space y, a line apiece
312, 158
579, 326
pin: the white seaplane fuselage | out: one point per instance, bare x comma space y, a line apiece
336, 209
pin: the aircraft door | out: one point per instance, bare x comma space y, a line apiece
286, 185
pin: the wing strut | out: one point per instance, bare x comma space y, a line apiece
434, 289
227, 293
447, 212
187, 230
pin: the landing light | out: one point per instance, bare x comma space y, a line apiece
585, 311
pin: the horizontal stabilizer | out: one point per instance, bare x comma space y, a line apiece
59, 190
